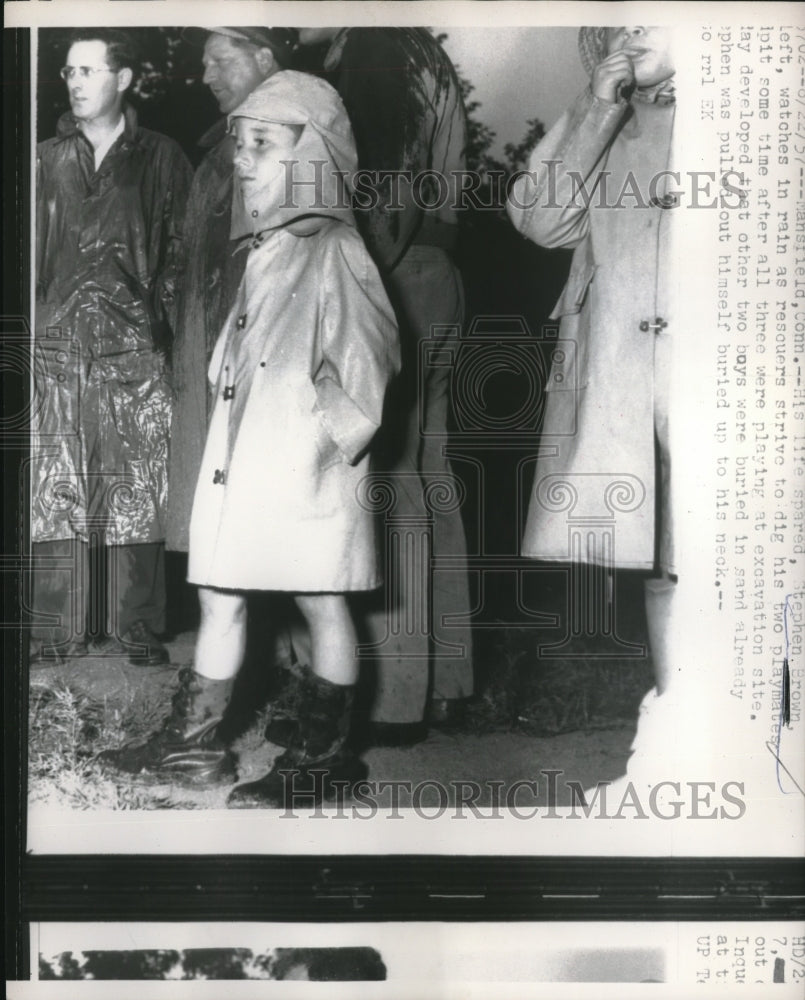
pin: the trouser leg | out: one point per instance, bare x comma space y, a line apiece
452, 675
659, 596
136, 582
395, 618
59, 590
426, 293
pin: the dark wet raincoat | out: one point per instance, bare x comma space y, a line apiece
107, 246
210, 280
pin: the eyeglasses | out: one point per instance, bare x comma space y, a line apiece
85, 72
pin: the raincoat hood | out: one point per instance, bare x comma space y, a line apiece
324, 158
593, 48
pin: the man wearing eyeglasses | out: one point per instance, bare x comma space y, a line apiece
110, 201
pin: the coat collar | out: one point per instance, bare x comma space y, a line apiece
660, 93
214, 134
68, 126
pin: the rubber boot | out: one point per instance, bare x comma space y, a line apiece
185, 750
317, 766
282, 728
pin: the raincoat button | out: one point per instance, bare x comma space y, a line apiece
229, 392
666, 201
61, 377
61, 357
241, 321
219, 478
254, 213
658, 324
262, 364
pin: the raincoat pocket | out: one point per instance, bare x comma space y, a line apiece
569, 362
574, 293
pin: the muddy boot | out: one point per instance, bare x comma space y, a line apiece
318, 766
282, 728
186, 749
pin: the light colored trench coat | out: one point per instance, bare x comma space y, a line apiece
606, 392
301, 369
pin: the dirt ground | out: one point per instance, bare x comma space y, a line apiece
586, 756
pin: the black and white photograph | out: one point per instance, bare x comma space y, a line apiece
415, 430
582, 959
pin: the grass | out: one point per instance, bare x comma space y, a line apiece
67, 730
531, 693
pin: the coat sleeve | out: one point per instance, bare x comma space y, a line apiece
177, 177
357, 352
546, 202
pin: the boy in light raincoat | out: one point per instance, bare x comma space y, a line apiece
300, 370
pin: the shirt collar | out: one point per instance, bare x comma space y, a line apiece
109, 141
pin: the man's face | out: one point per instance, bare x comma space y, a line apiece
649, 50
316, 36
97, 94
259, 149
232, 71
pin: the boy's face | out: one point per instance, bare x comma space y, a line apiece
259, 149
649, 50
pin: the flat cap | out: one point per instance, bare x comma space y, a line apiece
281, 41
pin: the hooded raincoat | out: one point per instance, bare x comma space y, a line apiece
595, 497
300, 372
107, 247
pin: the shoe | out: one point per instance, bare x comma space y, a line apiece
290, 784
186, 750
282, 728
43, 654
139, 645
318, 766
447, 713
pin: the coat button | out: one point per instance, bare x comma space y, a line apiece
219, 478
666, 201
658, 324
229, 392
254, 214
242, 321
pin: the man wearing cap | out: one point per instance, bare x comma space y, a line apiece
235, 61
404, 101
